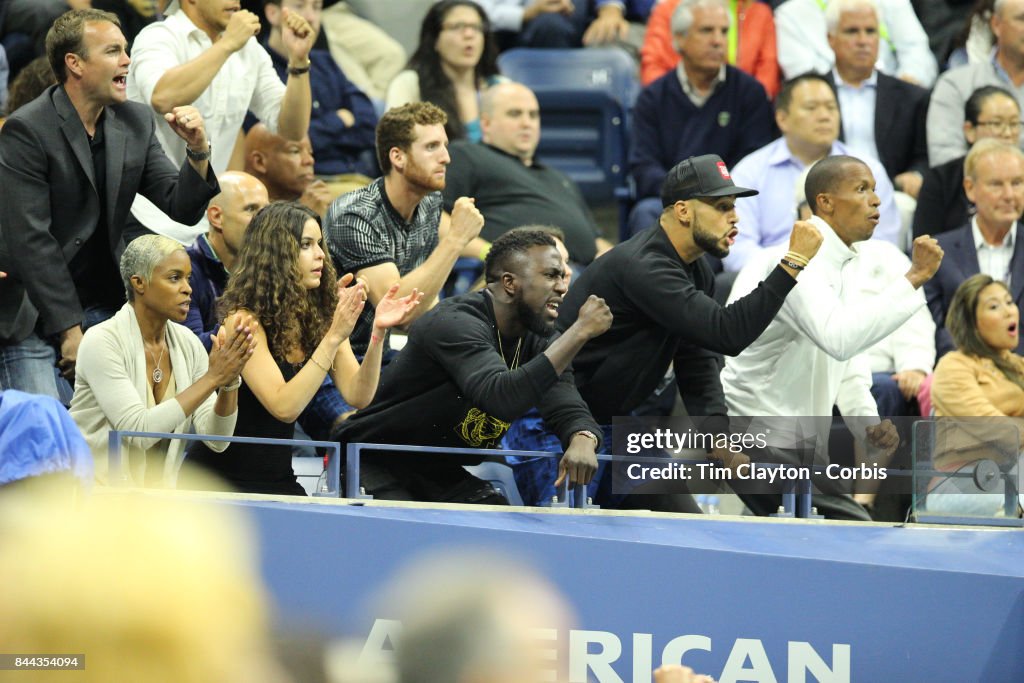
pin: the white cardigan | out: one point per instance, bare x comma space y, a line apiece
111, 392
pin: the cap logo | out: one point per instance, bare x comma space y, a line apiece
723, 170
723, 119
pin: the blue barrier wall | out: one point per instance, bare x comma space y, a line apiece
741, 600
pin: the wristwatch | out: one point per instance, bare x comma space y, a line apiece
198, 156
299, 70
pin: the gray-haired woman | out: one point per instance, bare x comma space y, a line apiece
136, 372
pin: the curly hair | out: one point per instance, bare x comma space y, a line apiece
962, 323
266, 282
435, 86
32, 80
397, 128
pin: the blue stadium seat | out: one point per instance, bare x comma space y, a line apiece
585, 98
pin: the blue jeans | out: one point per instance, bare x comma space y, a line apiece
31, 364
889, 398
535, 477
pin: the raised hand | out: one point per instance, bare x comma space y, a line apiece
297, 35
393, 310
351, 300
466, 222
805, 239
594, 317
187, 124
925, 260
242, 26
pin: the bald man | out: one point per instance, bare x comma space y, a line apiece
213, 254
285, 167
510, 186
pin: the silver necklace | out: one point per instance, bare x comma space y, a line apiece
158, 374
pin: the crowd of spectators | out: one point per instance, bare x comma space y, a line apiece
279, 179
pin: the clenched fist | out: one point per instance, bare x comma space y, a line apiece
242, 26
805, 239
466, 221
594, 317
924, 261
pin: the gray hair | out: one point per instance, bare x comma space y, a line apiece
682, 17
986, 147
997, 6
835, 9
142, 255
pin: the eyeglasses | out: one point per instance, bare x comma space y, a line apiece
460, 26
1000, 126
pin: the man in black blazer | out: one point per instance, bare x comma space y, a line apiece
71, 162
877, 110
991, 243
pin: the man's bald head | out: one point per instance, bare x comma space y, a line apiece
241, 196
285, 167
510, 120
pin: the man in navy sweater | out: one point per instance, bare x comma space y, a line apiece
703, 106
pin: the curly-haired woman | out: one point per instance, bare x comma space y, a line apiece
284, 278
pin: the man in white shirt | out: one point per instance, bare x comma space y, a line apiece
801, 37
882, 117
205, 54
805, 361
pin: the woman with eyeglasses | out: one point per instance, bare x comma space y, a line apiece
456, 60
990, 112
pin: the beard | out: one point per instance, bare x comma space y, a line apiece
418, 177
707, 241
534, 321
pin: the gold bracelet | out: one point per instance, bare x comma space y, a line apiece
318, 363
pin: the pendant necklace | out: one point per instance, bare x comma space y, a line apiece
158, 374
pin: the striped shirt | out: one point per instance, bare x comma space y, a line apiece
363, 230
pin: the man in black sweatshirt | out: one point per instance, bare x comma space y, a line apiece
473, 365
660, 292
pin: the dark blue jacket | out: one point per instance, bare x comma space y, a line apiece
208, 280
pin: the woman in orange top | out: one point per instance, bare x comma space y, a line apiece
751, 48
982, 379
